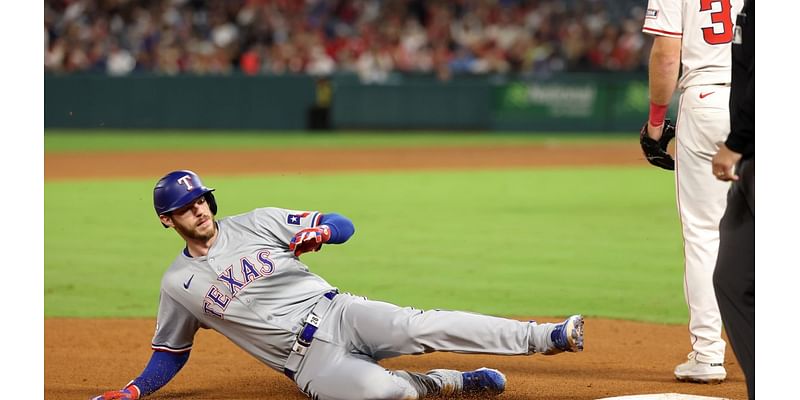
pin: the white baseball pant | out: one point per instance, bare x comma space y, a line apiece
703, 125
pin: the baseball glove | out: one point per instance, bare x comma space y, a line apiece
656, 150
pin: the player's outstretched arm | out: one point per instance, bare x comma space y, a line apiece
333, 228
163, 366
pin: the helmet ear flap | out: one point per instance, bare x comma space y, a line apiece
212, 202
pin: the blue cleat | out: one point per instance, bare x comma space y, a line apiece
568, 335
481, 382
484, 381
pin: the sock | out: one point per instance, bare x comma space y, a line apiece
424, 384
447, 382
539, 338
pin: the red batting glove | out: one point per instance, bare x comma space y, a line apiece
129, 393
309, 239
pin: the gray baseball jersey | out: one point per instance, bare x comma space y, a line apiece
250, 287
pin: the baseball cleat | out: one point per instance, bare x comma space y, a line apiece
481, 382
568, 335
699, 372
485, 381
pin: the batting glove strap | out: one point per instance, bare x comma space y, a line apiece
131, 392
134, 390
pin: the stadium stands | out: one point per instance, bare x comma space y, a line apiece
370, 38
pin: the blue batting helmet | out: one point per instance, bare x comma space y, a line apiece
179, 188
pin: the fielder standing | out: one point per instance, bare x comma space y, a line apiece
242, 277
692, 39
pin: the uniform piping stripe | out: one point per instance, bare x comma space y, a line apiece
316, 219
170, 349
659, 31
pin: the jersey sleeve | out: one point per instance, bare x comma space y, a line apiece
175, 326
663, 18
283, 224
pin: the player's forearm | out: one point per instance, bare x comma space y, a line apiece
341, 227
664, 66
163, 366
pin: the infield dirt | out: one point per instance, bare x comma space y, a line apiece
84, 357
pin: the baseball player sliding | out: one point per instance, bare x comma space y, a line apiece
242, 277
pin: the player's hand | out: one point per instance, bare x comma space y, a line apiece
129, 393
310, 239
654, 146
723, 162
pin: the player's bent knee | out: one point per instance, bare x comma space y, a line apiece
381, 385
387, 386
391, 393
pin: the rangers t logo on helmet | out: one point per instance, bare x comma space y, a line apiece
186, 180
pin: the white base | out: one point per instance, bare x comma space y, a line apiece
662, 396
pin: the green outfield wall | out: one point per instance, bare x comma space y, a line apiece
183, 102
574, 102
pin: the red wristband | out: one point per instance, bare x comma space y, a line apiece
326, 233
657, 113
134, 391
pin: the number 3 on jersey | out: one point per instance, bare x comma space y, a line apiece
723, 17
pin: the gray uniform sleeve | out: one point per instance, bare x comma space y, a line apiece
283, 224
175, 326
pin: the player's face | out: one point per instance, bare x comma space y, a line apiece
193, 221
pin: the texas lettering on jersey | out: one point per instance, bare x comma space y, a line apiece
234, 279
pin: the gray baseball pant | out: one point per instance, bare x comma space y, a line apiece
355, 333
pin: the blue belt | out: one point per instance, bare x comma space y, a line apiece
306, 334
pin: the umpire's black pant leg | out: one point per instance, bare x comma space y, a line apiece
734, 276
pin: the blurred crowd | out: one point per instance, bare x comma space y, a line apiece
371, 38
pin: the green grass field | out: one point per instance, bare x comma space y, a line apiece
75, 140
604, 241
